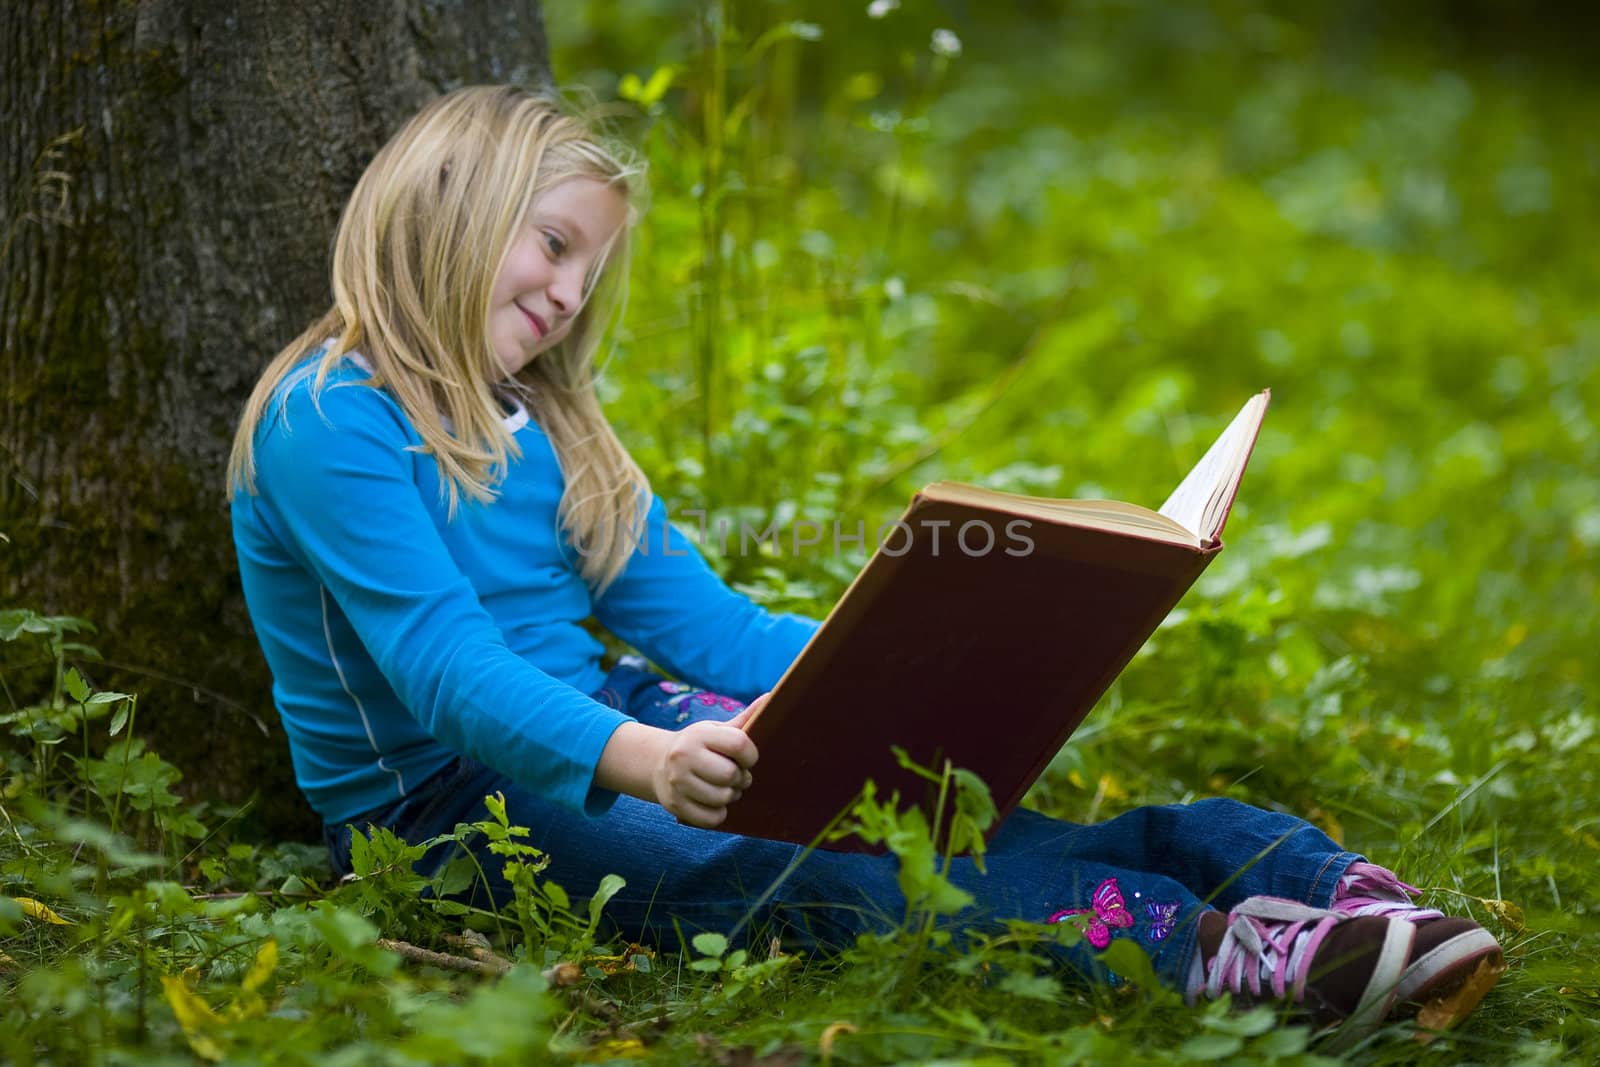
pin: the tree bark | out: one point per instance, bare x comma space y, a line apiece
173, 173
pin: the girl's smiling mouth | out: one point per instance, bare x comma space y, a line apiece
540, 328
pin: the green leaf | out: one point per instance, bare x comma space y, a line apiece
74, 684
1208, 1047
903, 758
456, 877
1031, 986
13, 623
1283, 1042
506, 1021
1129, 962
119, 720
352, 938
146, 780
228, 907
1245, 1024
360, 854
496, 803
171, 899
609, 887
710, 944
118, 850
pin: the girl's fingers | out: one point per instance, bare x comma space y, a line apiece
732, 743
697, 812
709, 794
692, 814
723, 738
711, 765
744, 716
700, 779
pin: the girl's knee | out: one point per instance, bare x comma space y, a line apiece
1225, 809
1213, 820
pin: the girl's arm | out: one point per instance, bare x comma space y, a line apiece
670, 605
337, 487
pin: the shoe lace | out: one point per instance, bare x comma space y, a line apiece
1270, 941
1367, 889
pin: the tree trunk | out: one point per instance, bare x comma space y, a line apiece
173, 173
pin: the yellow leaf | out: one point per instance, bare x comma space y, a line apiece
624, 962
1439, 1015
1509, 914
35, 910
266, 962
194, 1015
1514, 636
617, 1048
830, 1034
657, 86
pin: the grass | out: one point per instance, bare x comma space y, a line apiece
1054, 261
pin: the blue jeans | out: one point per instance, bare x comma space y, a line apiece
1146, 874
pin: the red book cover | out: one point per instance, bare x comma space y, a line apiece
989, 658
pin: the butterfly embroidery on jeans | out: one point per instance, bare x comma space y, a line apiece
1162, 919
1109, 911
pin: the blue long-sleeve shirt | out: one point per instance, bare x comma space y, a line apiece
399, 637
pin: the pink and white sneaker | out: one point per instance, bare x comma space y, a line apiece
1354, 970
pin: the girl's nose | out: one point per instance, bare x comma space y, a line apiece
566, 292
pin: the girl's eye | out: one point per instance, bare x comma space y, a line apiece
555, 244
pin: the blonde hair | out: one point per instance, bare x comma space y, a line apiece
439, 203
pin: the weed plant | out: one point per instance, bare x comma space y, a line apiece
1048, 249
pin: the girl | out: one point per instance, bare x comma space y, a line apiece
428, 504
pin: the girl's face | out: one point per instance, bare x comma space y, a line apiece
540, 288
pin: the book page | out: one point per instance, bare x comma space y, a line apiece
1201, 501
1110, 515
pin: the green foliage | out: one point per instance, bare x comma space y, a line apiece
1055, 262
116, 936
924, 880
1049, 250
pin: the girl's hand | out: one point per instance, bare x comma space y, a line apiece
705, 767
695, 773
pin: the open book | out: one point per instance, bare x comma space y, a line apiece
982, 631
